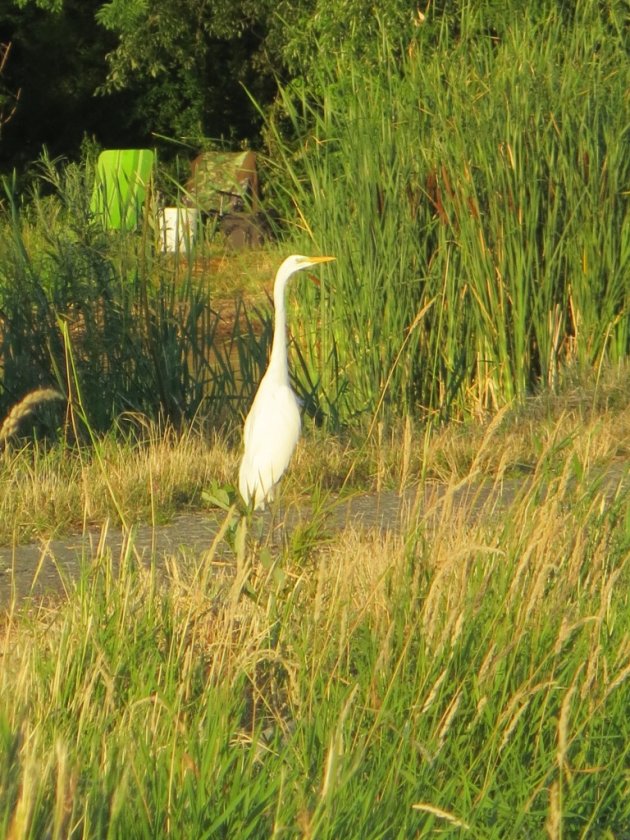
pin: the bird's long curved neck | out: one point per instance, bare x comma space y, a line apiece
278, 364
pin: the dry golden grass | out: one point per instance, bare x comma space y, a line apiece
593, 417
46, 493
238, 274
157, 473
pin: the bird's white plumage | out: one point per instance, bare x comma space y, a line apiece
272, 430
272, 427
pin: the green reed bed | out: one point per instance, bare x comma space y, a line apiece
103, 314
470, 679
475, 192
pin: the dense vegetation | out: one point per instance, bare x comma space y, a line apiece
477, 199
126, 72
472, 181
129, 72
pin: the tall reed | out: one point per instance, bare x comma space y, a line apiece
474, 191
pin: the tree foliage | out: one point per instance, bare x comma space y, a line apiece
187, 70
197, 57
57, 60
126, 71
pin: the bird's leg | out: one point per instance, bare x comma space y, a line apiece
257, 522
243, 568
278, 532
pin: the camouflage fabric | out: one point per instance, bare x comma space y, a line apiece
223, 182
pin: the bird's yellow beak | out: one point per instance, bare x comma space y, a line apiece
321, 259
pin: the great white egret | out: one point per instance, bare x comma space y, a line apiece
272, 427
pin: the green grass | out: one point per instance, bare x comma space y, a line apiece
465, 678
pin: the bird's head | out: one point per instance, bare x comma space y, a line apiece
296, 262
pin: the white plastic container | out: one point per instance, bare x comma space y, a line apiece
178, 229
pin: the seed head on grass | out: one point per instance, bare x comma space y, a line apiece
25, 408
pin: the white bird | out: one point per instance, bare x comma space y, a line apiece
272, 427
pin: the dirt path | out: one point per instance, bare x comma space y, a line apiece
49, 568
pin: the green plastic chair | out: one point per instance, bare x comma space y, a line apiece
123, 180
